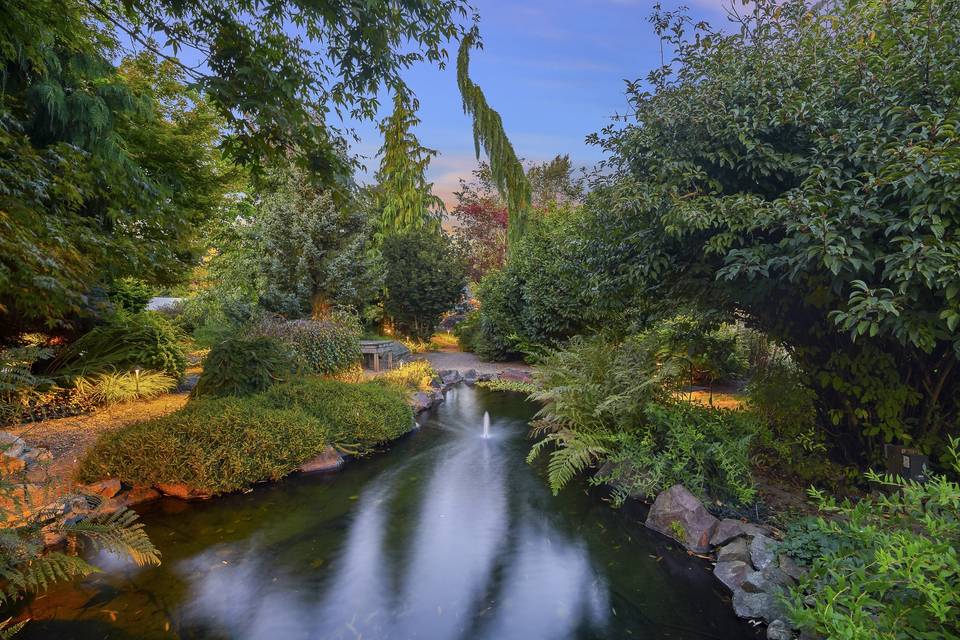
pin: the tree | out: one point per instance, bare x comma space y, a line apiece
505, 167
425, 276
403, 193
802, 172
314, 254
552, 182
481, 224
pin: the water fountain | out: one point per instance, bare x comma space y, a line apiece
486, 425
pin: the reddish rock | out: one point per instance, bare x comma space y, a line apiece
136, 495
105, 488
181, 490
329, 460
10, 464
677, 510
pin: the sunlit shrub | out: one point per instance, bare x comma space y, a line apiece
123, 386
413, 376
322, 346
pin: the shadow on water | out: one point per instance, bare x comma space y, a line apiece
451, 535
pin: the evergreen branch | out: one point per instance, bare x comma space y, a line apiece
488, 132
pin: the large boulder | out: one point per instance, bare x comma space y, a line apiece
105, 488
763, 552
728, 529
732, 573
677, 513
779, 630
736, 550
181, 490
329, 460
760, 606
450, 376
422, 401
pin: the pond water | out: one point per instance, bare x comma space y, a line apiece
450, 535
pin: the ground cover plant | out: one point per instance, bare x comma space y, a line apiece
218, 445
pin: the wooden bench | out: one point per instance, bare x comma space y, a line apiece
375, 349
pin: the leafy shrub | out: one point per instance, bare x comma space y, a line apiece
130, 294
241, 366
706, 450
412, 376
359, 416
321, 346
215, 445
891, 569
489, 331
111, 388
20, 387
425, 276
126, 341
213, 316
224, 444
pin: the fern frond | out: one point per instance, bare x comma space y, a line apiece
120, 533
39, 573
7, 631
574, 456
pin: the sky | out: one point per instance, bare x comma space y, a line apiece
553, 69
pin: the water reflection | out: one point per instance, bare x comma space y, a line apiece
476, 563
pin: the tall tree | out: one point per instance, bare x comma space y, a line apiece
488, 132
404, 196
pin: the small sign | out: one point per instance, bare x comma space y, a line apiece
909, 464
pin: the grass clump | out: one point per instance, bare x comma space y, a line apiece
359, 417
413, 376
215, 445
123, 386
218, 445
242, 366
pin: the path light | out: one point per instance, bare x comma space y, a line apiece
136, 376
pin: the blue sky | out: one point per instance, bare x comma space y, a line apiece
555, 71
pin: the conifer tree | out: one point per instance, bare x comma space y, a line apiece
505, 167
404, 196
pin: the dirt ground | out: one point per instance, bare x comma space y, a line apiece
68, 438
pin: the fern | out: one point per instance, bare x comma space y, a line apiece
119, 533
7, 631
40, 572
505, 167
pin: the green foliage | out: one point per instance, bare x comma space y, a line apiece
411, 376
216, 445
313, 252
425, 276
225, 444
325, 346
111, 388
403, 194
488, 131
891, 563
608, 401
802, 170
359, 417
130, 294
126, 341
508, 385
706, 450
241, 366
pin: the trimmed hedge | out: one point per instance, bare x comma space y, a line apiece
325, 346
219, 445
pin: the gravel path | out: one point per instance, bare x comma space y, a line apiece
461, 361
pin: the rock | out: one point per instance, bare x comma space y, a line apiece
771, 580
763, 551
21, 501
450, 376
51, 536
105, 488
676, 511
516, 375
790, 567
755, 605
136, 495
329, 460
736, 550
732, 573
181, 490
728, 529
470, 376
422, 401
779, 630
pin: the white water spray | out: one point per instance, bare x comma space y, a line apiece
486, 424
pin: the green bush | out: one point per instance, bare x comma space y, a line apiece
887, 567
425, 276
707, 450
241, 366
322, 346
131, 294
215, 445
126, 341
224, 444
360, 417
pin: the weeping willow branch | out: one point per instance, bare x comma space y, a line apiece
505, 167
